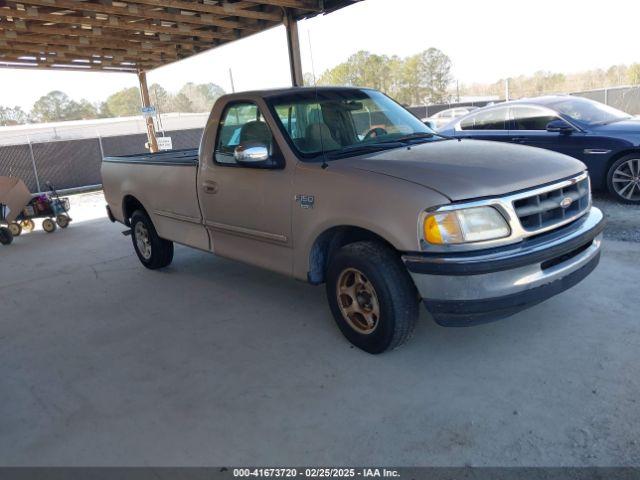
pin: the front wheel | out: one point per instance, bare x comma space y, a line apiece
372, 297
5, 236
623, 179
49, 225
15, 229
153, 252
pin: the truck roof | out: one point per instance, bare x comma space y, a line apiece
275, 92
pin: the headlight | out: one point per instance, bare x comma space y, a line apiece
465, 225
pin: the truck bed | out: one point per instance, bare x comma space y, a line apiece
187, 156
164, 183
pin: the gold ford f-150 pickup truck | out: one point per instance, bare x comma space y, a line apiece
345, 187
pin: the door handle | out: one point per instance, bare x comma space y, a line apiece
210, 187
518, 139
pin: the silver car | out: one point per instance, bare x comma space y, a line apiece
443, 117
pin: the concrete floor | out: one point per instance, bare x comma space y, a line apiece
211, 362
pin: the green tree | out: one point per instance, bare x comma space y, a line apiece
51, 107
633, 74
181, 103
364, 69
308, 80
82, 110
12, 116
426, 75
435, 75
123, 103
56, 106
201, 96
162, 99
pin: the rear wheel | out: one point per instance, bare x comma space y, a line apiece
5, 236
63, 221
623, 179
15, 229
372, 296
153, 252
49, 225
28, 225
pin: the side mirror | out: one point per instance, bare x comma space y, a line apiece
559, 126
429, 124
252, 155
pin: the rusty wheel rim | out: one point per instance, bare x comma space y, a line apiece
358, 301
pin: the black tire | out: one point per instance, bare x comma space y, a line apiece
161, 250
49, 225
5, 236
617, 190
63, 221
15, 228
395, 294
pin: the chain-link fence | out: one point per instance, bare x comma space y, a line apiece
626, 99
75, 163
70, 164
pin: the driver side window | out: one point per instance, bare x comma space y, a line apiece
494, 119
242, 124
531, 118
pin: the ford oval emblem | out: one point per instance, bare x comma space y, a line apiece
566, 202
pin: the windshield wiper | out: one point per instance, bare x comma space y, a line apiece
419, 136
369, 147
415, 136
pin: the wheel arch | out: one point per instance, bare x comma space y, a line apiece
614, 158
129, 205
329, 241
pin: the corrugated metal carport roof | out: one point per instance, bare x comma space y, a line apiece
130, 36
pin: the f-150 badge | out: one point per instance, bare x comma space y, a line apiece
305, 201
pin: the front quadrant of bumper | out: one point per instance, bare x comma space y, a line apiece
462, 313
484, 286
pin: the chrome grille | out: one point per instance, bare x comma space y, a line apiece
552, 208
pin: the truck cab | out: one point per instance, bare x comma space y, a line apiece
344, 187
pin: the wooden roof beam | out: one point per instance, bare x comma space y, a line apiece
77, 59
139, 11
87, 36
24, 65
309, 5
51, 60
136, 27
228, 10
102, 47
72, 51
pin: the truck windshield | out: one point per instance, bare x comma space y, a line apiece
338, 122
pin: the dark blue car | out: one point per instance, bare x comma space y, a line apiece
605, 139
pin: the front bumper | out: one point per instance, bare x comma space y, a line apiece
465, 288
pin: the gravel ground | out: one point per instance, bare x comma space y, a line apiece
623, 221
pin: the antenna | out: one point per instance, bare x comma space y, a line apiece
313, 68
233, 87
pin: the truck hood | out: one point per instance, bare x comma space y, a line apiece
467, 169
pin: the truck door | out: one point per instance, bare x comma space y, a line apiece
247, 207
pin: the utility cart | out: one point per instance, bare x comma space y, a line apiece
18, 209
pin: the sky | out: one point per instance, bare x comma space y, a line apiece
485, 39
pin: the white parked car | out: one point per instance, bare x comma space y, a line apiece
443, 117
